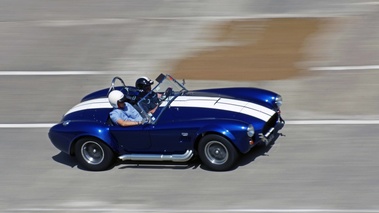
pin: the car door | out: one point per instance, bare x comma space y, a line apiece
169, 139
169, 135
132, 139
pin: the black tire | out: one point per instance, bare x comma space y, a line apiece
93, 154
217, 153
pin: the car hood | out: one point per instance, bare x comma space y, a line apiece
255, 95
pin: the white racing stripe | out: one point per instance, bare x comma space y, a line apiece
249, 105
91, 104
225, 104
288, 122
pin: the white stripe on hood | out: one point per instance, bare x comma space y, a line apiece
226, 104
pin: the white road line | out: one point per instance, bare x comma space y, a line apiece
35, 125
196, 210
84, 72
37, 73
332, 122
345, 68
84, 22
366, 3
288, 122
257, 16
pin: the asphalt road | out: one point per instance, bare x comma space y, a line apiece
319, 167
315, 168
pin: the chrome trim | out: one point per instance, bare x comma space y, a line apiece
216, 152
111, 88
266, 138
263, 138
92, 152
269, 132
158, 157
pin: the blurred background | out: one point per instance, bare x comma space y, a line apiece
321, 56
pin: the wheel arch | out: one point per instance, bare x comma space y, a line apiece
111, 145
232, 130
90, 158
202, 135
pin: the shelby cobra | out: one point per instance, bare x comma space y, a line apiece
217, 125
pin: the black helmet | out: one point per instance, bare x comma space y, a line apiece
144, 82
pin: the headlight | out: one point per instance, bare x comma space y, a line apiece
250, 130
279, 100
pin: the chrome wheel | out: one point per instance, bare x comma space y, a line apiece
92, 152
216, 152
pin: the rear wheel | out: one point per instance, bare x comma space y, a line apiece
93, 154
217, 153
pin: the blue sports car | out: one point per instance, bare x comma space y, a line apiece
216, 125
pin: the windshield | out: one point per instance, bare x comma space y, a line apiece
166, 89
166, 81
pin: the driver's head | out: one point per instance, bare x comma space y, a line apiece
144, 83
116, 98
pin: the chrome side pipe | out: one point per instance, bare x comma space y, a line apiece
158, 157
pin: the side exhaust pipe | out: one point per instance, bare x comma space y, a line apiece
158, 157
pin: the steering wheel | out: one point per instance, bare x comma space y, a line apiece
167, 93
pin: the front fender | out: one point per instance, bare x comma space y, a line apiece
234, 130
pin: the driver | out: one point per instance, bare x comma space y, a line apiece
123, 113
152, 100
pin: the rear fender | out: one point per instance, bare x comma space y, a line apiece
98, 131
66, 134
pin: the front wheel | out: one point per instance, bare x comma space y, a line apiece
217, 153
93, 154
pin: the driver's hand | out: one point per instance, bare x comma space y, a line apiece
144, 121
162, 97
